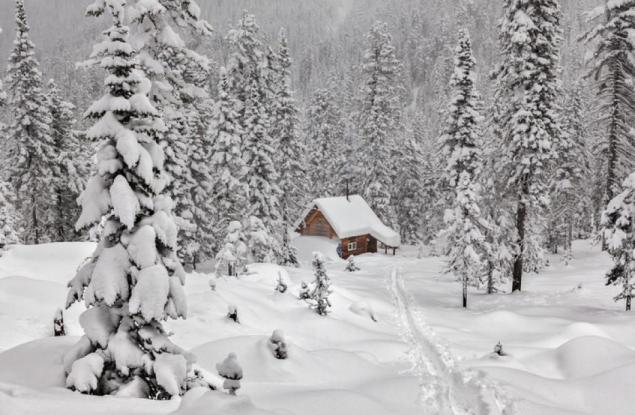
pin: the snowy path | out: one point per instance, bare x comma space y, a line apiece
445, 389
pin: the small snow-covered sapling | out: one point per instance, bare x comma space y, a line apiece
232, 372
58, 323
321, 286
232, 313
277, 345
304, 292
212, 284
281, 287
351, 266
498, 349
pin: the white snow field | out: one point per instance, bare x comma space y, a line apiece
569, 348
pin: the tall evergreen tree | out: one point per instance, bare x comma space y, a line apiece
619, 232
409, 194
179, 77
8, 216
526, 119
230, 193
31, 143
462, 150
70, 164
613, 71
247, 69
379, 120
325, 138
290, 156
134, 279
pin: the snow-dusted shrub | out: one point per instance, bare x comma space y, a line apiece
232, 372
351, 266
277, 345
321, 286
305, 291
58, 324
498, 349
232, 313
212, 284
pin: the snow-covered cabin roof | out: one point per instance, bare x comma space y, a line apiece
353, 217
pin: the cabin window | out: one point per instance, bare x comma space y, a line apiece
352, 246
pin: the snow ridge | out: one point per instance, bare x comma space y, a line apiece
445, 388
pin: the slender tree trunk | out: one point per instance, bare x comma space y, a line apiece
521, 217
36, 230
490, 277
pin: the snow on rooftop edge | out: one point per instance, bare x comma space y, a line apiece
353, 217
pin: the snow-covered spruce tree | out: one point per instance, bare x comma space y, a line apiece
409, 191
231, 371
324, 132
290, 157
259, 241
160, 29
232, 258
134, 279
526, 121
70, 165
613, 71
246, 69
31, 144
321, 291
9, 219
230, 193
618, 223
462, 151
379, 121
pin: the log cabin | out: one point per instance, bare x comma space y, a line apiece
350, 220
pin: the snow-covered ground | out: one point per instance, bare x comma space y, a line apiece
570, 349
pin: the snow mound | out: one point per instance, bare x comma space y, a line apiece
203, 402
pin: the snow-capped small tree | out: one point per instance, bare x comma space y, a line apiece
281, 286
462, 151
232, 258
9, 219
58, 323
134, 280
526, 117
379, 121
319, 295
261, 246
70, 164
230, 370
618, 223
351, 266
278, 345
31, 144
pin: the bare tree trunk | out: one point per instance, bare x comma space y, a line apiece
465, 291
521, 216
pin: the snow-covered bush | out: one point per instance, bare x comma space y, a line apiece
212, 284
232, 372
498, 349
351, 266
278, 345
305, 291
58, 324
321, 286
134, 280
232, 313
232, 258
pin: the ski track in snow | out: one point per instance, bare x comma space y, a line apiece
445, 389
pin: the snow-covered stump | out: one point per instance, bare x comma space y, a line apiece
277, 345
321, 286
58, 324
231, 371
232, 313
351, 266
